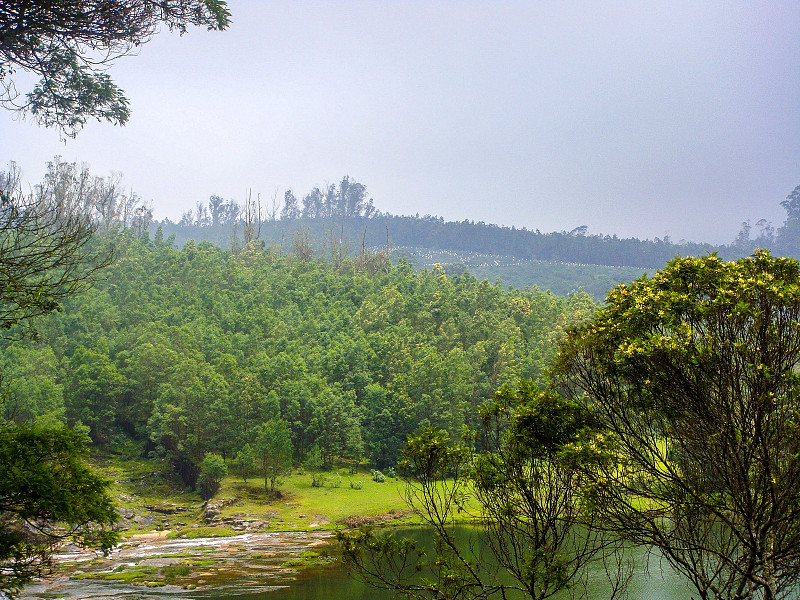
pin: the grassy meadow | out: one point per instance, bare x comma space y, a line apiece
149, 500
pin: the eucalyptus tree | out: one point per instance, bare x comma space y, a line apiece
273, 449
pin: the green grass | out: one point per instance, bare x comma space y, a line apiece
309, 558
172, 572
207, 562
123, 574
145, 575
302, 505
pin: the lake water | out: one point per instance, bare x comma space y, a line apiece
651, 580
251, 568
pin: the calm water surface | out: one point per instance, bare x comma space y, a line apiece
651, 580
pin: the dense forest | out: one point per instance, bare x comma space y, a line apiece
179, 352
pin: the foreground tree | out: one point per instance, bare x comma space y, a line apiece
524, 496
48, 496
694, 374
71, 44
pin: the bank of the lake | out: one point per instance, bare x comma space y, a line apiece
150, 501
157, 566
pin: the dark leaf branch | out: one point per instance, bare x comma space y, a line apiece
70, 44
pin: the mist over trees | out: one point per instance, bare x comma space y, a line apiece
343, 213
263, 356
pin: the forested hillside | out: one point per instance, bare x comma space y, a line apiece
179, 352
343, 214
437, 234
342, 220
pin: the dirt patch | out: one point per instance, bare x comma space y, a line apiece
143, 537
354, 521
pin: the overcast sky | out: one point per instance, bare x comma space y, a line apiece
640, 118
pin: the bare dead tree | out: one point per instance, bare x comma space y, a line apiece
252, 218
45, 252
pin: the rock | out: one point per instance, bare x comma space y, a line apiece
144, 521
257, 525
211, 515
167, 509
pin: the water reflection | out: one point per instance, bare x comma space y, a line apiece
652, 579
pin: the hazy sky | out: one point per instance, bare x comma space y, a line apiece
639, 118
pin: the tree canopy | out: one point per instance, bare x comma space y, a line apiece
693, 374
187, 351
71, 44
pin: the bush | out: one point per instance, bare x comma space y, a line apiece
390, 472
377, 476
356, 485
337, 481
